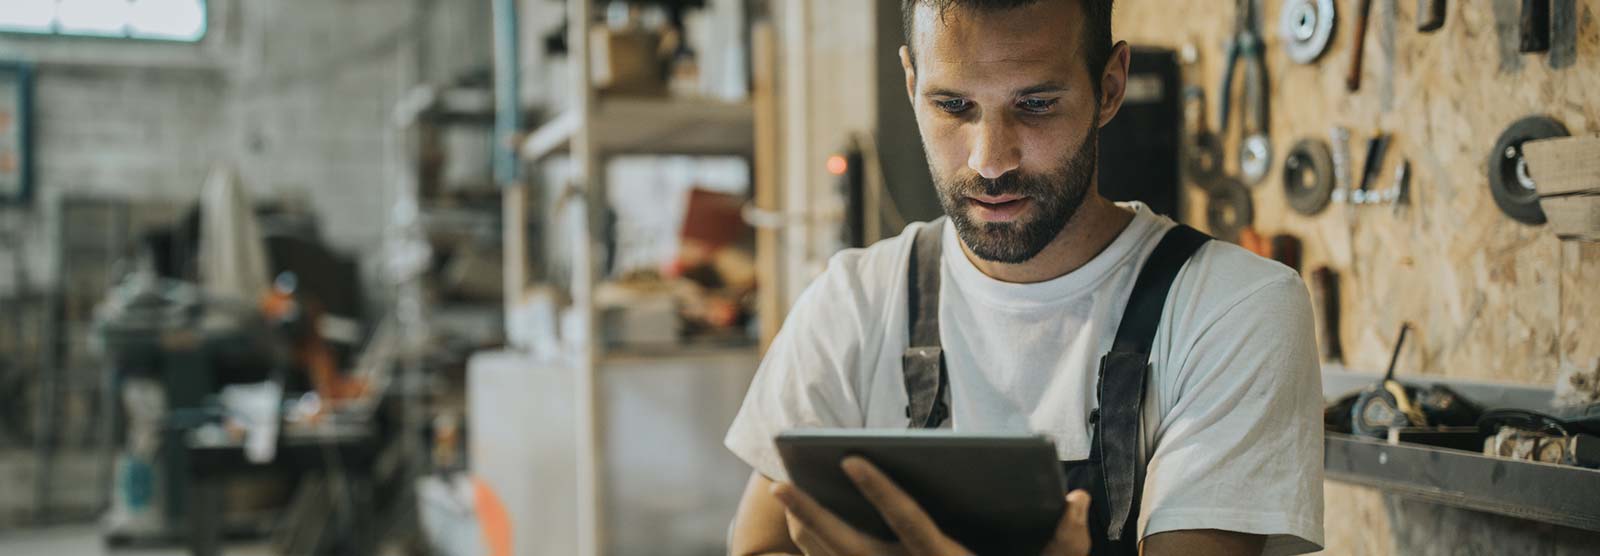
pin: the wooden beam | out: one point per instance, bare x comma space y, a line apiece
1564, 165
768, 157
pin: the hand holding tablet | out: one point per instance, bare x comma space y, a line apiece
859, 491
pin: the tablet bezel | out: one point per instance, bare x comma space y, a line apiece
1008, 499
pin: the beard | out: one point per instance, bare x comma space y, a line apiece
1056, 196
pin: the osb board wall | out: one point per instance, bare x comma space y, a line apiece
1489, 298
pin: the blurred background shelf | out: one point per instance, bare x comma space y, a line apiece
636, 125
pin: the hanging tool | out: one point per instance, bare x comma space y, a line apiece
1430, 15
1509, 181
1325, 282
1535, 26
1288, 249
1393, 195
1353, 80
1229, 209
1202, 148
1255, 149
1308, 176
1377, 147
1255, 156
1399, 194
1392, 404
1306, 27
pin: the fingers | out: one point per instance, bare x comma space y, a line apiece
916, 530
815, 529
1078, 509
1072, 534
805, 539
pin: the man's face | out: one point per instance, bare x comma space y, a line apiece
1009, 119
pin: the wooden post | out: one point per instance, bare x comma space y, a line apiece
768, 157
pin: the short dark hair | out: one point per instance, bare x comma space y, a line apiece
1096, 25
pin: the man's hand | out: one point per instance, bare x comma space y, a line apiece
817, 531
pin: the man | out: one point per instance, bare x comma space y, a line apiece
1034, 271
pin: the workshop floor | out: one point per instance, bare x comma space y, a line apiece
85, 540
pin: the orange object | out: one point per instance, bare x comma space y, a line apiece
1249, 239
310, 351
838, 165
492, 519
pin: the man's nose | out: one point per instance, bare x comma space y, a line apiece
995, 151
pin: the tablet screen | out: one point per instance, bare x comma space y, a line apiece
993, 493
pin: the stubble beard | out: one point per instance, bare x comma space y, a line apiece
1056, 197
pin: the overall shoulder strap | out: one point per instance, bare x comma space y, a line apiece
927, 385
1124, 371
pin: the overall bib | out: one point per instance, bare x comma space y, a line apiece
1114, 473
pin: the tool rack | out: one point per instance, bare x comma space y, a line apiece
1557, 494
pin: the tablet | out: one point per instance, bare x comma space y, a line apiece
993, 493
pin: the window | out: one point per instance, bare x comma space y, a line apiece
169, 20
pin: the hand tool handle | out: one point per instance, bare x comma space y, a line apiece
1353, 80
1225, 92
1535, 28
1395, 357
1430, 15
1255, 89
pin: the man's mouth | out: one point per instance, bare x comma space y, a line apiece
999, 208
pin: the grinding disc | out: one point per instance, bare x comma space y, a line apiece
1509, 183
1255, 158
1308, 176
1203, 158
1306, 27
1229, 209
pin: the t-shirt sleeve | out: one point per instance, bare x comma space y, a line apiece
1241, 447
808, 377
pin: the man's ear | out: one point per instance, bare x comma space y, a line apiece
1114, 82
911, 74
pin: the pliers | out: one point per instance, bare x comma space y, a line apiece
1255, 150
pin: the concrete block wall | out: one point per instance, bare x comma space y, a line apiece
298, 95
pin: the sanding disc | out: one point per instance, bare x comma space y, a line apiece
1308, 176
1306, 27
1229, 209
1509, 182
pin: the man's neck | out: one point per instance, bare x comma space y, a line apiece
1096, 224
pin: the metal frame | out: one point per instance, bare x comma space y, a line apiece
1558, 494
55, 31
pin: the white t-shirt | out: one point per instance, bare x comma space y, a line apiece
1232, 420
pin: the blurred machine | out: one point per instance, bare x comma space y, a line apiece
170, 349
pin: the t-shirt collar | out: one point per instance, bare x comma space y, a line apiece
1061, 289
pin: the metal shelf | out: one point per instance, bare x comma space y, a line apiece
1558, 494
633, 125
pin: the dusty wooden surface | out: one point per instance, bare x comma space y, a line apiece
1488, 298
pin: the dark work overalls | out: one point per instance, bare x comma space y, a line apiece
1114, 473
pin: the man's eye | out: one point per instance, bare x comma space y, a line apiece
953, 106
1037, 104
